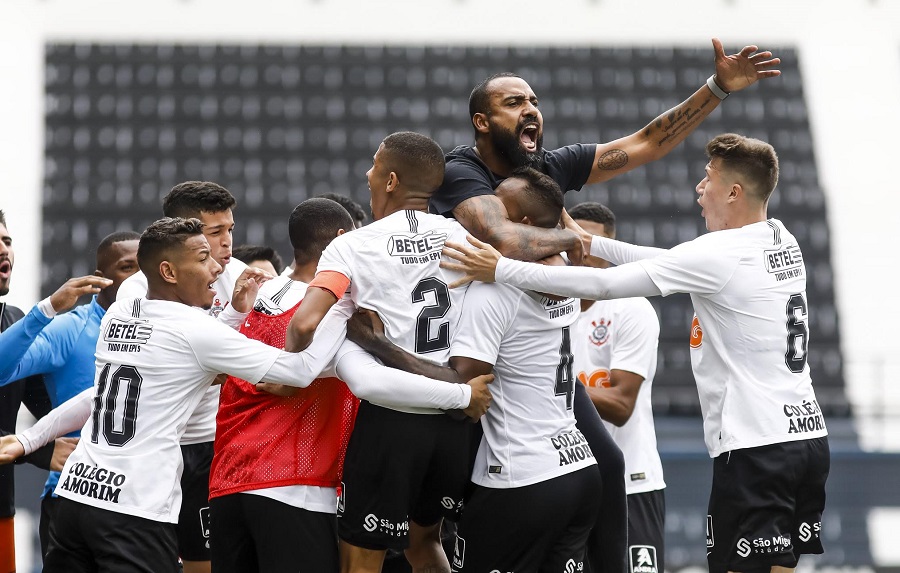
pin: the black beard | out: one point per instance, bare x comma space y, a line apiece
4, 291
507, 145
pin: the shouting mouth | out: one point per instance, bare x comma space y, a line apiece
528, 136
5, 269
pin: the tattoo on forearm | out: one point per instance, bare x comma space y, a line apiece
612, 160
681, 121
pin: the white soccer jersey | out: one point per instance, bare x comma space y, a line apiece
393, 266
624, 335
750, 337
202, 425
155, 361
529, 432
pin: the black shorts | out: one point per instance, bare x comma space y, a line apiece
535, 528
400, 467
646, 532
766, 505
254, 533
86, 539
193, 519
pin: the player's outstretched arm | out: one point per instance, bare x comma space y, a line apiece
486, 218
732, 73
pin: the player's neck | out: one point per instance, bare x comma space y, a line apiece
304, 273
493, 160
745, 218
408, 203
586, 304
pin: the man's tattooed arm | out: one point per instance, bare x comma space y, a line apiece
655, 140
486, 219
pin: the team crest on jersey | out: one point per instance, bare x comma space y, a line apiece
642, 559
217, 307
600, 334
418, 248
696, 333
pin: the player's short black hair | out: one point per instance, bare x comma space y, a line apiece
161, 237
544, 198
113, 238
250, 253
355, 209
596, 212
417, 160
754, 161
313, 224
2, 218
480, 98
190, 198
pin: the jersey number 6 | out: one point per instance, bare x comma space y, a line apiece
798, 334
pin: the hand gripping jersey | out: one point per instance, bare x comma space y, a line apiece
202, 425
266, 441
623, 335
393, 267
750, 337
155, 362
529, 432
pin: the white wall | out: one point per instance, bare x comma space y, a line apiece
849, 52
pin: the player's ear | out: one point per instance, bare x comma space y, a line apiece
525, 221
168, 272
480, 121
393, 182
341, 232
736, 191
99, 273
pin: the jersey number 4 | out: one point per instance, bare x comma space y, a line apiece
118, 427
798, 334
565, 381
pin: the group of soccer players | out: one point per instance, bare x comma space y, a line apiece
237, 421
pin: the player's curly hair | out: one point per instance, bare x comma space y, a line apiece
543, 196
161, 237
754, 161
190, 198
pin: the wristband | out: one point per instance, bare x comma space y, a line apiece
714, 87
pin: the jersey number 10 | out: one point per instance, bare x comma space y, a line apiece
125, 379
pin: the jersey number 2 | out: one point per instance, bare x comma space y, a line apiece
798, 334
424, 341
125, 379
565, 381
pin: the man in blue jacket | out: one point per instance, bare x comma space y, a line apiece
63, 349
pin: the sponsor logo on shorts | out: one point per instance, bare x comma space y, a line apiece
341, 500
385, 526
572, 566
804, 417
642, 559
204, 523
762, 545
448, 503
710, 539
809, 530
600, 334
459, 552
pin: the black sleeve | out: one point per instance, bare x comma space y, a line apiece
463, 180
36, 398
571, 166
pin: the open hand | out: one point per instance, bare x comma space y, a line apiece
477, 263
738, 71
68, 294
246, 287
481, 396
